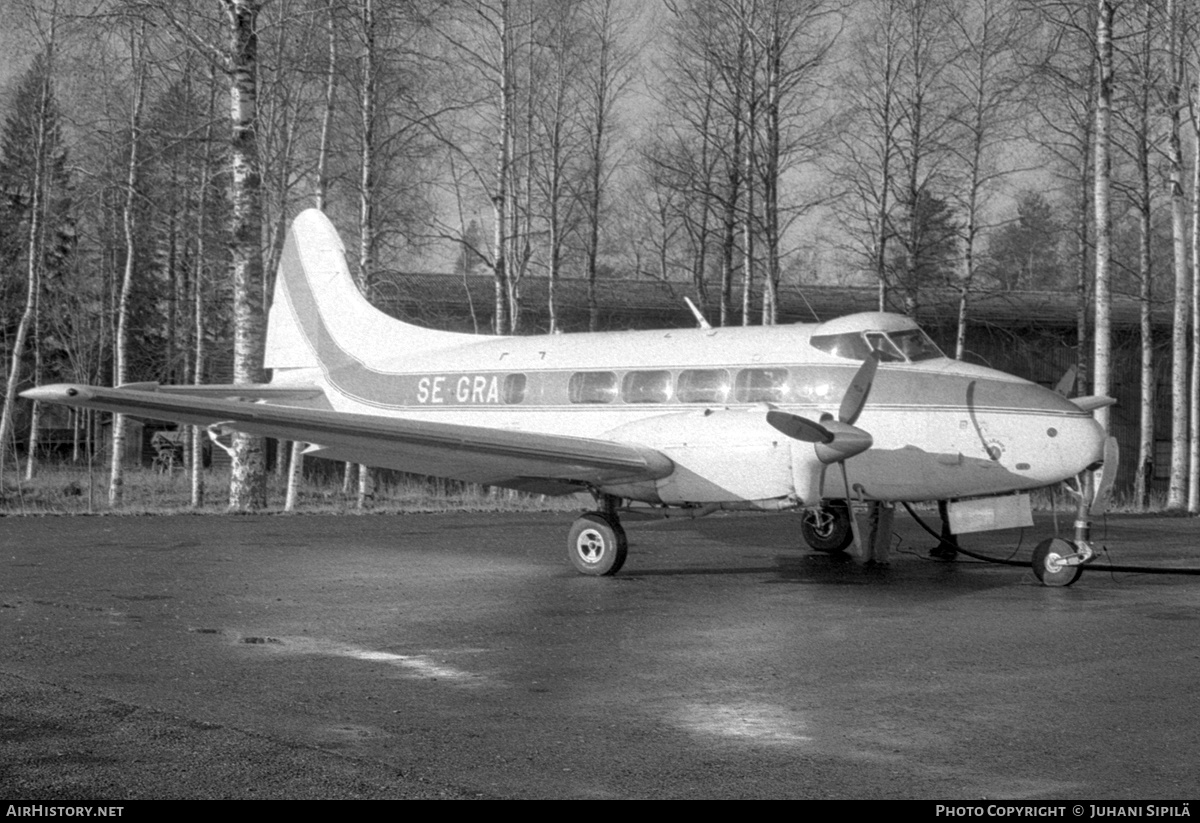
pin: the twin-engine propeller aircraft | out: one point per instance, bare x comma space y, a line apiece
681, 421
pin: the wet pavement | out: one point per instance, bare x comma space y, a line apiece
459, 656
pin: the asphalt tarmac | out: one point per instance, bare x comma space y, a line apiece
459, 656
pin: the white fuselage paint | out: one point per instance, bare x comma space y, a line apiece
926, 445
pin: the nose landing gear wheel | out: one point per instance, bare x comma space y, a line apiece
596, 545
828, 528
1048, 563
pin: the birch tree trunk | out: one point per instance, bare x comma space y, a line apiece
116, 480
200, 353
366, 211
1142, 477
751, 114
1194, 450
500, 202
35, 415
330, 99
1101, 380
600, 90
248, 483
1177, 490
773, 59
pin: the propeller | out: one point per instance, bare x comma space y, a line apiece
836, 440
1105, 478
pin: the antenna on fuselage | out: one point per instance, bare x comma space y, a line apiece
704, 324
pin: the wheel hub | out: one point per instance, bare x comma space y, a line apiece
590, 546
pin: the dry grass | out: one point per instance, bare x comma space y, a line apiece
67, 489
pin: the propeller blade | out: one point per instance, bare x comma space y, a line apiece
850, 508
799, 428
1066, 383
1106, 477
856, 394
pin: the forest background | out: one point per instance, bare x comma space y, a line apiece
154, 151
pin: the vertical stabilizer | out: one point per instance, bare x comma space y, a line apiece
320, 318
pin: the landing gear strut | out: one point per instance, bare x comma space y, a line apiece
1058, 562
597, 545
1052, 561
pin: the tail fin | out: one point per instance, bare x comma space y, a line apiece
319, 317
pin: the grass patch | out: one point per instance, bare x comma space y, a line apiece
69, 489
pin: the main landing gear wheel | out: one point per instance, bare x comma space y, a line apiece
828, 528
1048, 562
597, 545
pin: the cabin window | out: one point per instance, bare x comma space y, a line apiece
703, 386
514, 389
593, 387
646, 387
761, 386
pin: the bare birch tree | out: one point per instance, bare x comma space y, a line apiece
137, 51
37, 190
607, 28
1102, 358
1136, 114
1194, 421
296, 462
1062, 63
248, 484
558, 129
1177, 490
986, 90
865, 161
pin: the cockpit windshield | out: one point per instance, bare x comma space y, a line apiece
906, 345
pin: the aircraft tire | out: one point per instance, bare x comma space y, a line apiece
1049, 572
597, 545
830, 531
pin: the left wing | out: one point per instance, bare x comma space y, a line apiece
549, 464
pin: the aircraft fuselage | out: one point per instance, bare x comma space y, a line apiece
941, 428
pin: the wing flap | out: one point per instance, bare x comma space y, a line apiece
472, 453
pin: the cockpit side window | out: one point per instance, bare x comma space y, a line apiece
891, 347
916, 345
849, 345
885, 348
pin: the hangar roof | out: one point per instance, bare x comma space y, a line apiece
447, 301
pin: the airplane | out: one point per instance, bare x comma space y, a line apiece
668, 422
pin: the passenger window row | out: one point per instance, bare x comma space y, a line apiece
691, 386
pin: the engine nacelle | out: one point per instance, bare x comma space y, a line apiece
720, 455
